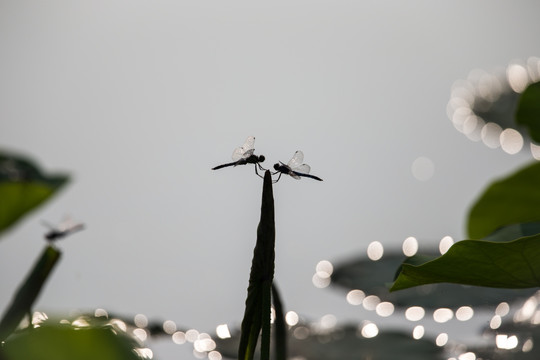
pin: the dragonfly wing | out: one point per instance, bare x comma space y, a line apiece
47, 225
304, 169
237, 154
245, 150
249, 144
297, 160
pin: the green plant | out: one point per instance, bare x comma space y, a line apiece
506, 217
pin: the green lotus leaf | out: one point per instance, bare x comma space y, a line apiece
528, 111
23, 187
512, 200
492, 262
85, 338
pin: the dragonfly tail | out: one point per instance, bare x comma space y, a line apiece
309, 176
224, 165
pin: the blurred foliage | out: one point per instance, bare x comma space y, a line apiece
512, 200
85, 338
280, 326
373, 277
28, 292
258, 302
346, 343
23, 187
500, 111
500, 261
506, 217
525, 332
528, 111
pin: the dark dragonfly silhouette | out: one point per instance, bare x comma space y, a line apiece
294, 168
65, 228
245, 155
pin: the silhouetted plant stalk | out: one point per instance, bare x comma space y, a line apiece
258, 302
28, 292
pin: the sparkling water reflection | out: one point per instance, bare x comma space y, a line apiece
482, 107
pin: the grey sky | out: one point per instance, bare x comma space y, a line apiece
138, 100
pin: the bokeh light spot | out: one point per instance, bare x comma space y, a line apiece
423, 168
355, 297
527, 310
418, 332
192, 335
375, 251
445, 244
214, 355
291, 318
223, 332
502, 309
140, 334
443, 315
491, 133
301, 333
441, 339
511, 141
169, 327
140, 320
495, 322
410, 246
319, 282
101, 313
328, 322
518, 78
370, 302
464, 313
144, 353
506, 342
467, 356
179, 337
535, 151
384, 309
324, 269
204, 343
527, 345
369, 330
415, 313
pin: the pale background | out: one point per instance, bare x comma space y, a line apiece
139, 99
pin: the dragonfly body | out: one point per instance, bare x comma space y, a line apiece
62, 231
245, 155
295, 168
252, 159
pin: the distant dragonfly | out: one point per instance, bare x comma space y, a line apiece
67, 227
244, 155
295, 168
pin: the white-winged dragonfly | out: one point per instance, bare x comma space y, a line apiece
66, 227
294, 168
245, 155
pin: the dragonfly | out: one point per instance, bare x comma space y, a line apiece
65, 228
245, 155
294, 168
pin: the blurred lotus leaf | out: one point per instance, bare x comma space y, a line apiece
83, 338
511, 341
373, 278
500, 260
499, 111
512, 200
345, 343
528, 111
23, 186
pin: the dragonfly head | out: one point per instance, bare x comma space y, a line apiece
276, 166
261, 158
